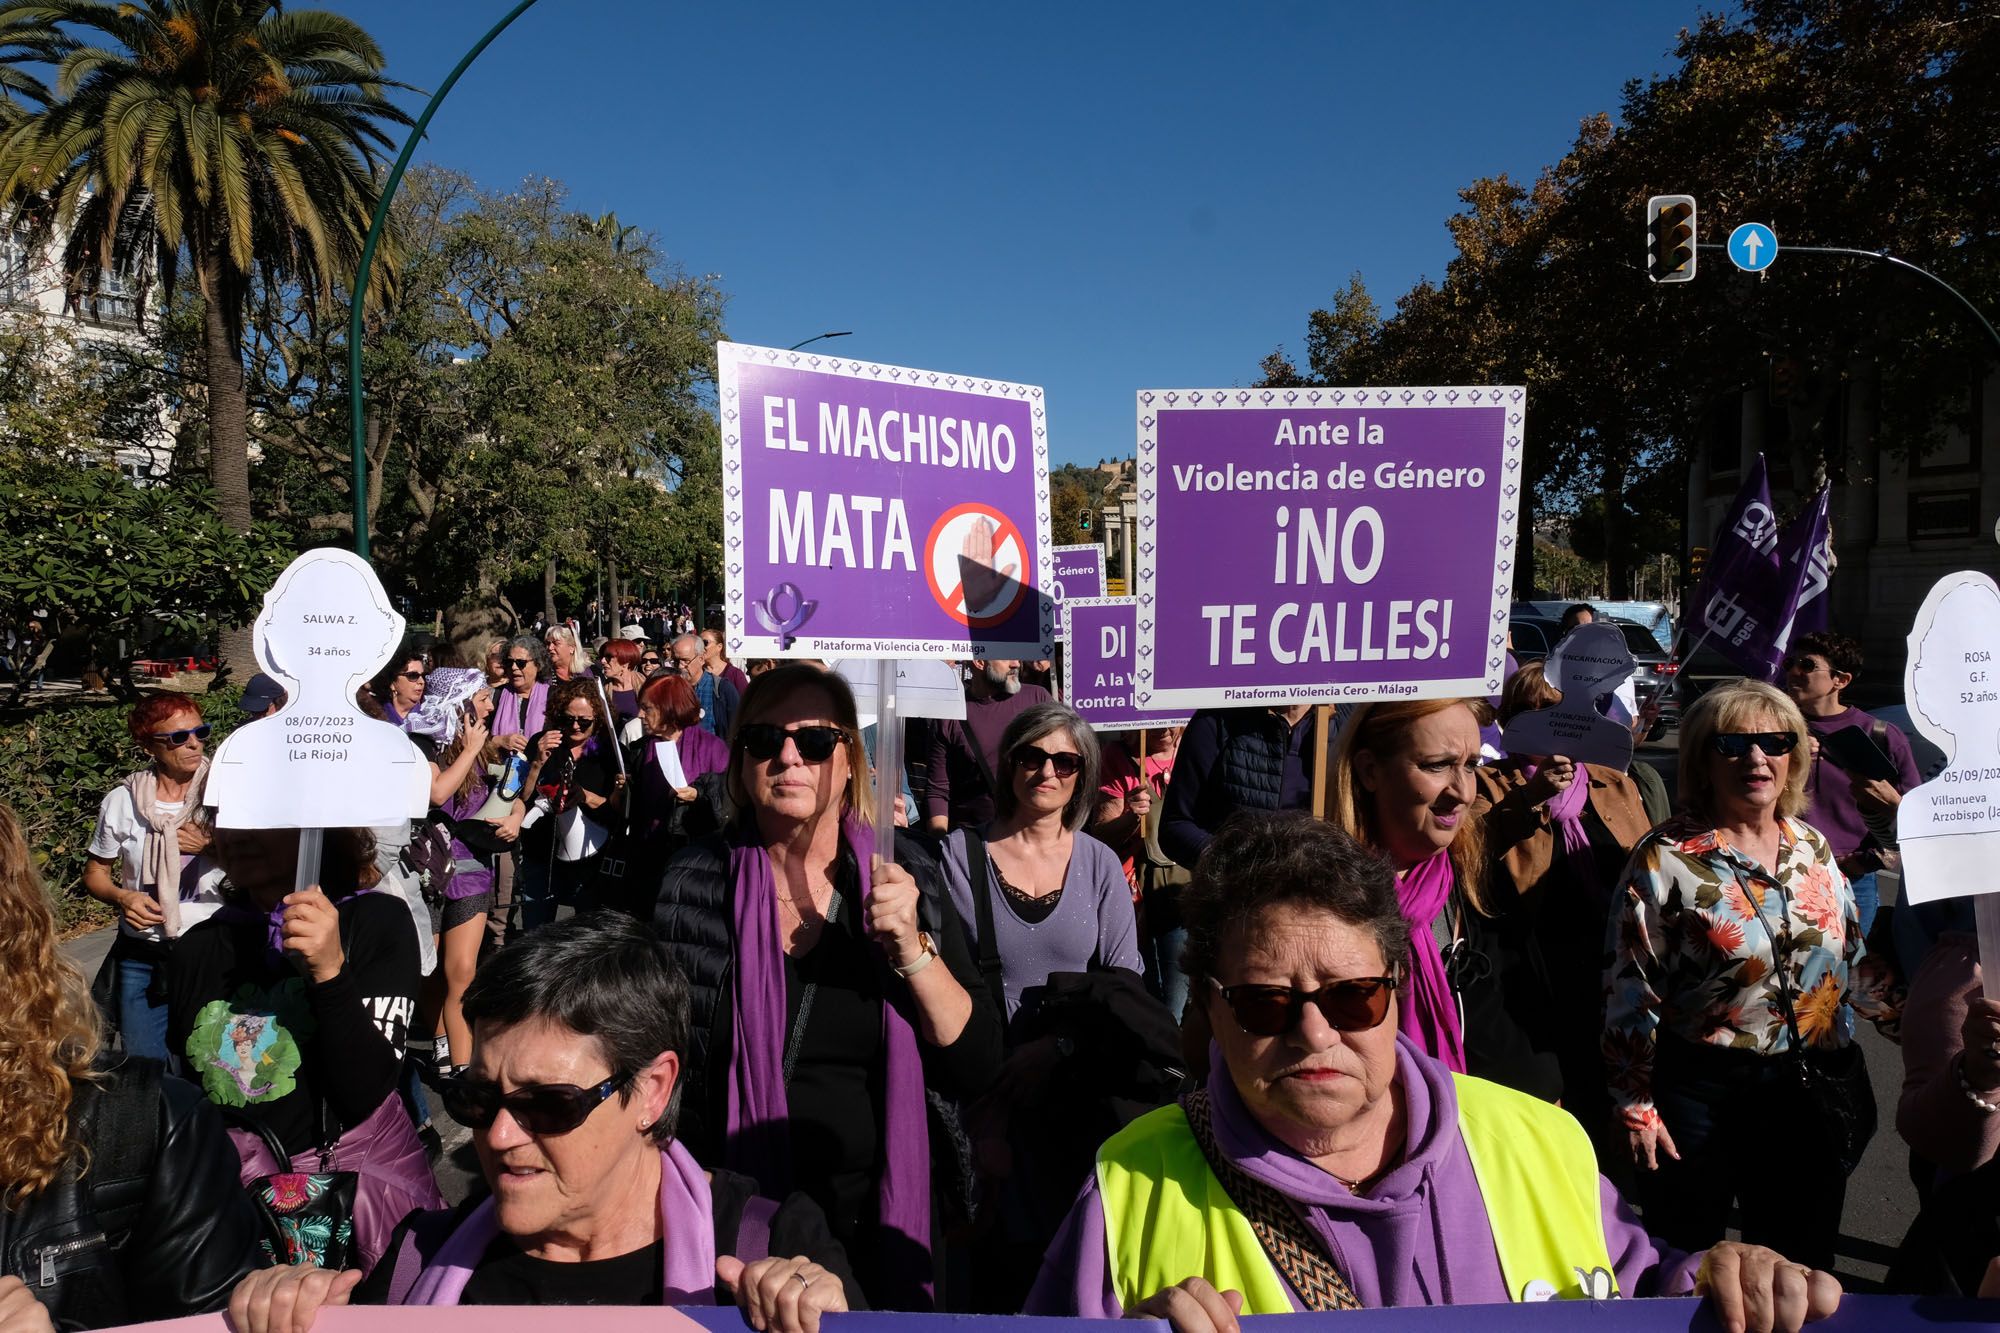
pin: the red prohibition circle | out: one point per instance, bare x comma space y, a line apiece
1003, 532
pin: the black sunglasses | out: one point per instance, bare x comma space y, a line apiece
1031, 758
518, 663
200, 733
539, 1108
409, 675
569, 721
1354, 1005
650, 659
766, 740
1736, 744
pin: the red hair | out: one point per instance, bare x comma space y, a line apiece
674, 697
151, 714
624, 652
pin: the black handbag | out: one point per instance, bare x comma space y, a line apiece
1834, 1090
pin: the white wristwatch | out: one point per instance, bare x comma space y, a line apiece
923, 959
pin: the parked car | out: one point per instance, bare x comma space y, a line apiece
1535, 637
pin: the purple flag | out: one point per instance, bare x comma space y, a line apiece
1808, 543
1758, 577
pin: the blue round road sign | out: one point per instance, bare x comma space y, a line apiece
1752, 247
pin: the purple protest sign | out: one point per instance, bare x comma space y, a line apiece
1097, 665
1306, 545
879, 511
1079, 573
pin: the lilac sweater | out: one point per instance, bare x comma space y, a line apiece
1419, 1237
1092, 923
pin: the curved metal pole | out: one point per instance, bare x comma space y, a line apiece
356, 400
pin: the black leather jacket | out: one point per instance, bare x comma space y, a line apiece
156, 1227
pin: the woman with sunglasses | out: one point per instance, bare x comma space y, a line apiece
150, 829
520, 715
399, 687
578, 806
830, 989
1403, 785
1329, 1162
1733, 951
580, 1034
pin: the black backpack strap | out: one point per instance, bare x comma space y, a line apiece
982, 912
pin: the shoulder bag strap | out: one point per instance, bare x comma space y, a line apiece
982, 912
1284, 1235
1779, 953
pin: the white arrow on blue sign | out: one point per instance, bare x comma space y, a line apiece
1752, 247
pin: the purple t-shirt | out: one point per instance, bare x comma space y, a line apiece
1092, 923
1830, 806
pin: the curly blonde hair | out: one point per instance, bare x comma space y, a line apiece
49, 1034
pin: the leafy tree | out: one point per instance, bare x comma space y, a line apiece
234, 138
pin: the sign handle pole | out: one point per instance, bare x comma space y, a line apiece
312, 841
611, 722
888, 758
1986, 913
1322, 730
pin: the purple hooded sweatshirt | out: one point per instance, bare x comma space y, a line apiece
1418, 1237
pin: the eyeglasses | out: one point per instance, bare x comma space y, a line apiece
409, 675
518, 663
1736, 744
1030, 758
539, 1108
573, 722
649, 660
765, 741
1804, 665
1354, 1005
179, 738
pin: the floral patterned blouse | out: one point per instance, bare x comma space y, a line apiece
1689, 954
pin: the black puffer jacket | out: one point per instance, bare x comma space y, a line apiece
156, 1227
693, 917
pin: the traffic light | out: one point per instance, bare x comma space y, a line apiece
1670, 238
1697, 564
1083, 520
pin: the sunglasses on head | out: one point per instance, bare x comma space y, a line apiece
200, 733
1736, 744
766, 740
1354, 1005
539, 1108
1030, 758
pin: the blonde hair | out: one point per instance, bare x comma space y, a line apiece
49, 1034
1730, 707
1382, 729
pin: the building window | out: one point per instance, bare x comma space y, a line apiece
1952, 449
1948, 514
16, 252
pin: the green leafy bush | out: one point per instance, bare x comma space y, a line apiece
56, 764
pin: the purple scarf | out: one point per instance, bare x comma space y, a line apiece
687, 1221
1566, 808
245, 913
759, 1140
515, 716
1426, 1006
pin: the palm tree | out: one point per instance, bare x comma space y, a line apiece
234, 139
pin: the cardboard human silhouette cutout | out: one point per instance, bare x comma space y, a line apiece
1949, 828
1590, 663
320, 762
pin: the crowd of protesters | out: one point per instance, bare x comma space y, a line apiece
1117, 1029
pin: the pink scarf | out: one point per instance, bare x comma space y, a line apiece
160, 858
1566, 808
1426, 1007
687, 1221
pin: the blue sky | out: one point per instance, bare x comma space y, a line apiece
1090, 197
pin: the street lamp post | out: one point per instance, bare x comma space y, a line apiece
843, 333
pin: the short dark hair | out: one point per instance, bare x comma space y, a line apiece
602, 976
1261, 859
1841, 653
1032, 724
1572, 613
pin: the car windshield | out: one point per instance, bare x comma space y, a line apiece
1640, 640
